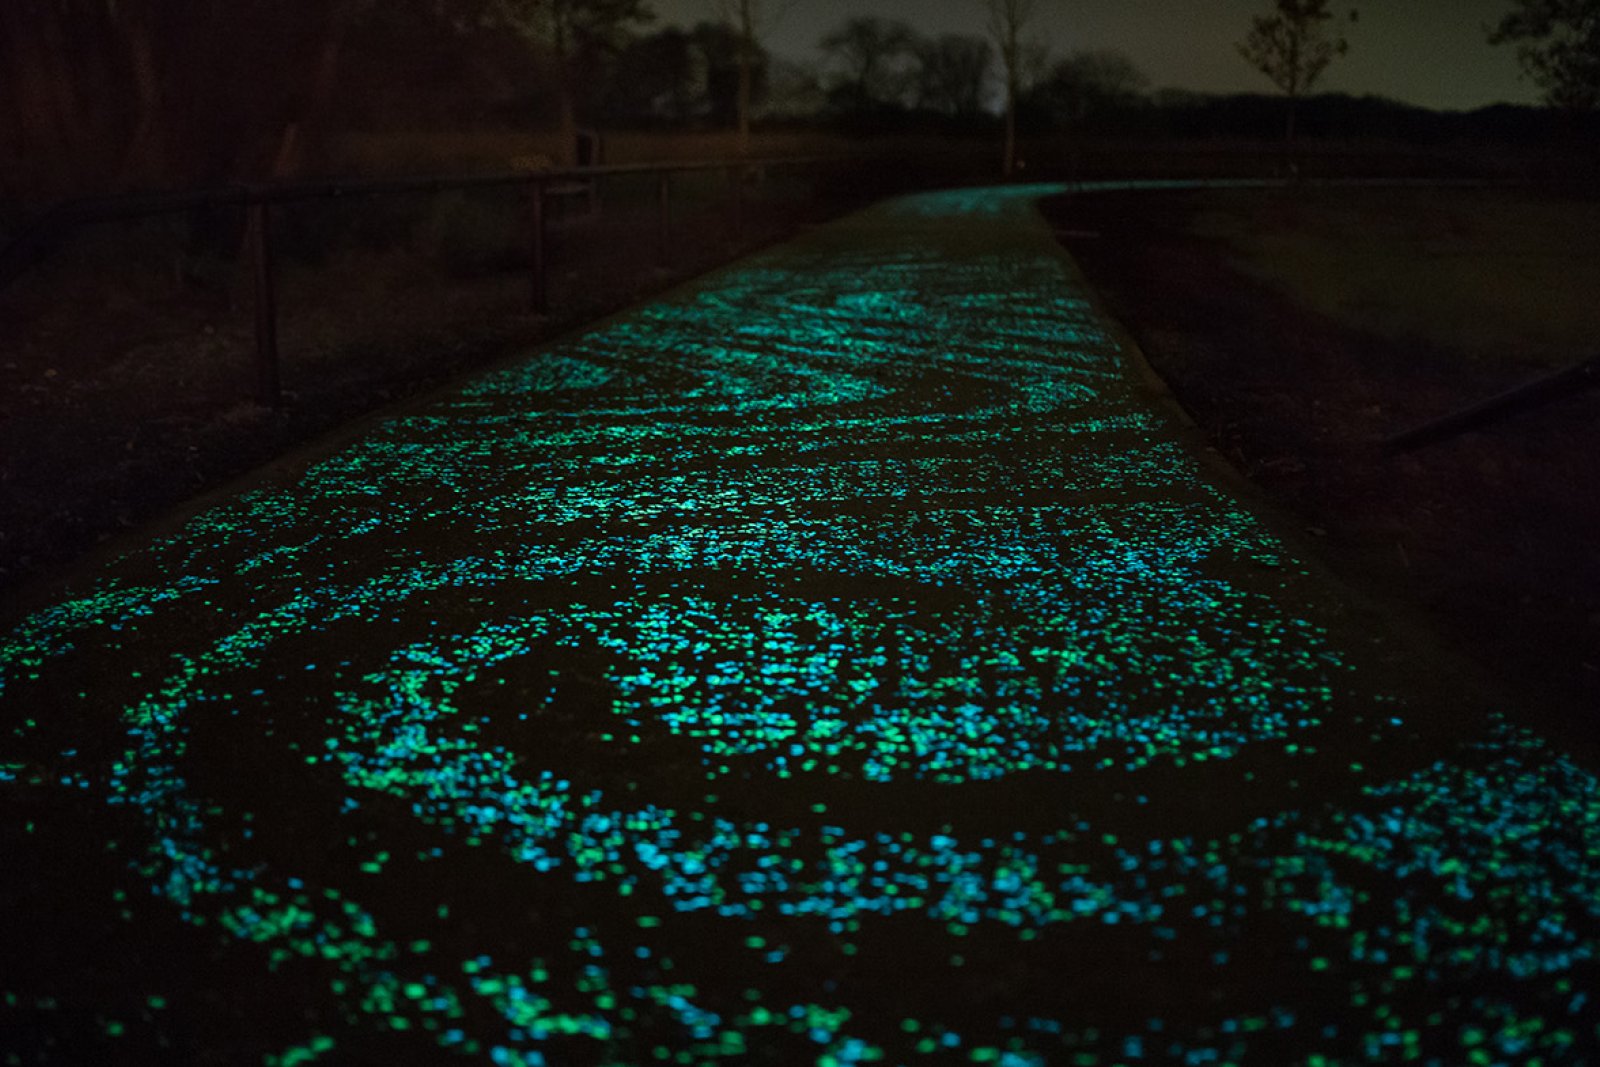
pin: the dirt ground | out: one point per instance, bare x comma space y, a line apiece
1492, 534
126, 373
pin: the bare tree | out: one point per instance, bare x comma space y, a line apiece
715, 46
1293, 46
750, 19
1091, 83
99, 95
746, 25
569, 29
951, 73
43, 116
868, 47
794, 89
332, 37
1008, 24
108, 93
660, 81
1558, 43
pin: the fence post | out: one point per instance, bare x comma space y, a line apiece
664, 205
541, 281
269, 388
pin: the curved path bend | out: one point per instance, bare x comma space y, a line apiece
840, 660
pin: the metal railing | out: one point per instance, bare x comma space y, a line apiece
37, 235
29, 244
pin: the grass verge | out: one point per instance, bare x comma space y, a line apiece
1301, 327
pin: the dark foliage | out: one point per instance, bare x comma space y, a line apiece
1558, 42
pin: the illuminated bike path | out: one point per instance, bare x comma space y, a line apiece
841, 660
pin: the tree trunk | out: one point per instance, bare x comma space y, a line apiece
566, 103
746, 75
1011, 53
1291, 148
567, 122
143, 158
62, 85
1010, 163
44, 101
14, 127
313, 107
317, 102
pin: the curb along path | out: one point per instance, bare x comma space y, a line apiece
839, 660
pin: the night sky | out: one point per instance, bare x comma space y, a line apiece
1427, 52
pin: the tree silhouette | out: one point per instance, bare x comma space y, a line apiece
718, 48
1008, 22
1293, 47
98, 94
1089, 84
571, 30
748, 20
868, 47
951, 72
1558, 43
660, 83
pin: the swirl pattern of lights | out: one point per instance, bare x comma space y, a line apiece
838, 661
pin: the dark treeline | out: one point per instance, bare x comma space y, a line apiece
1332, 116
103, 95
107, 94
